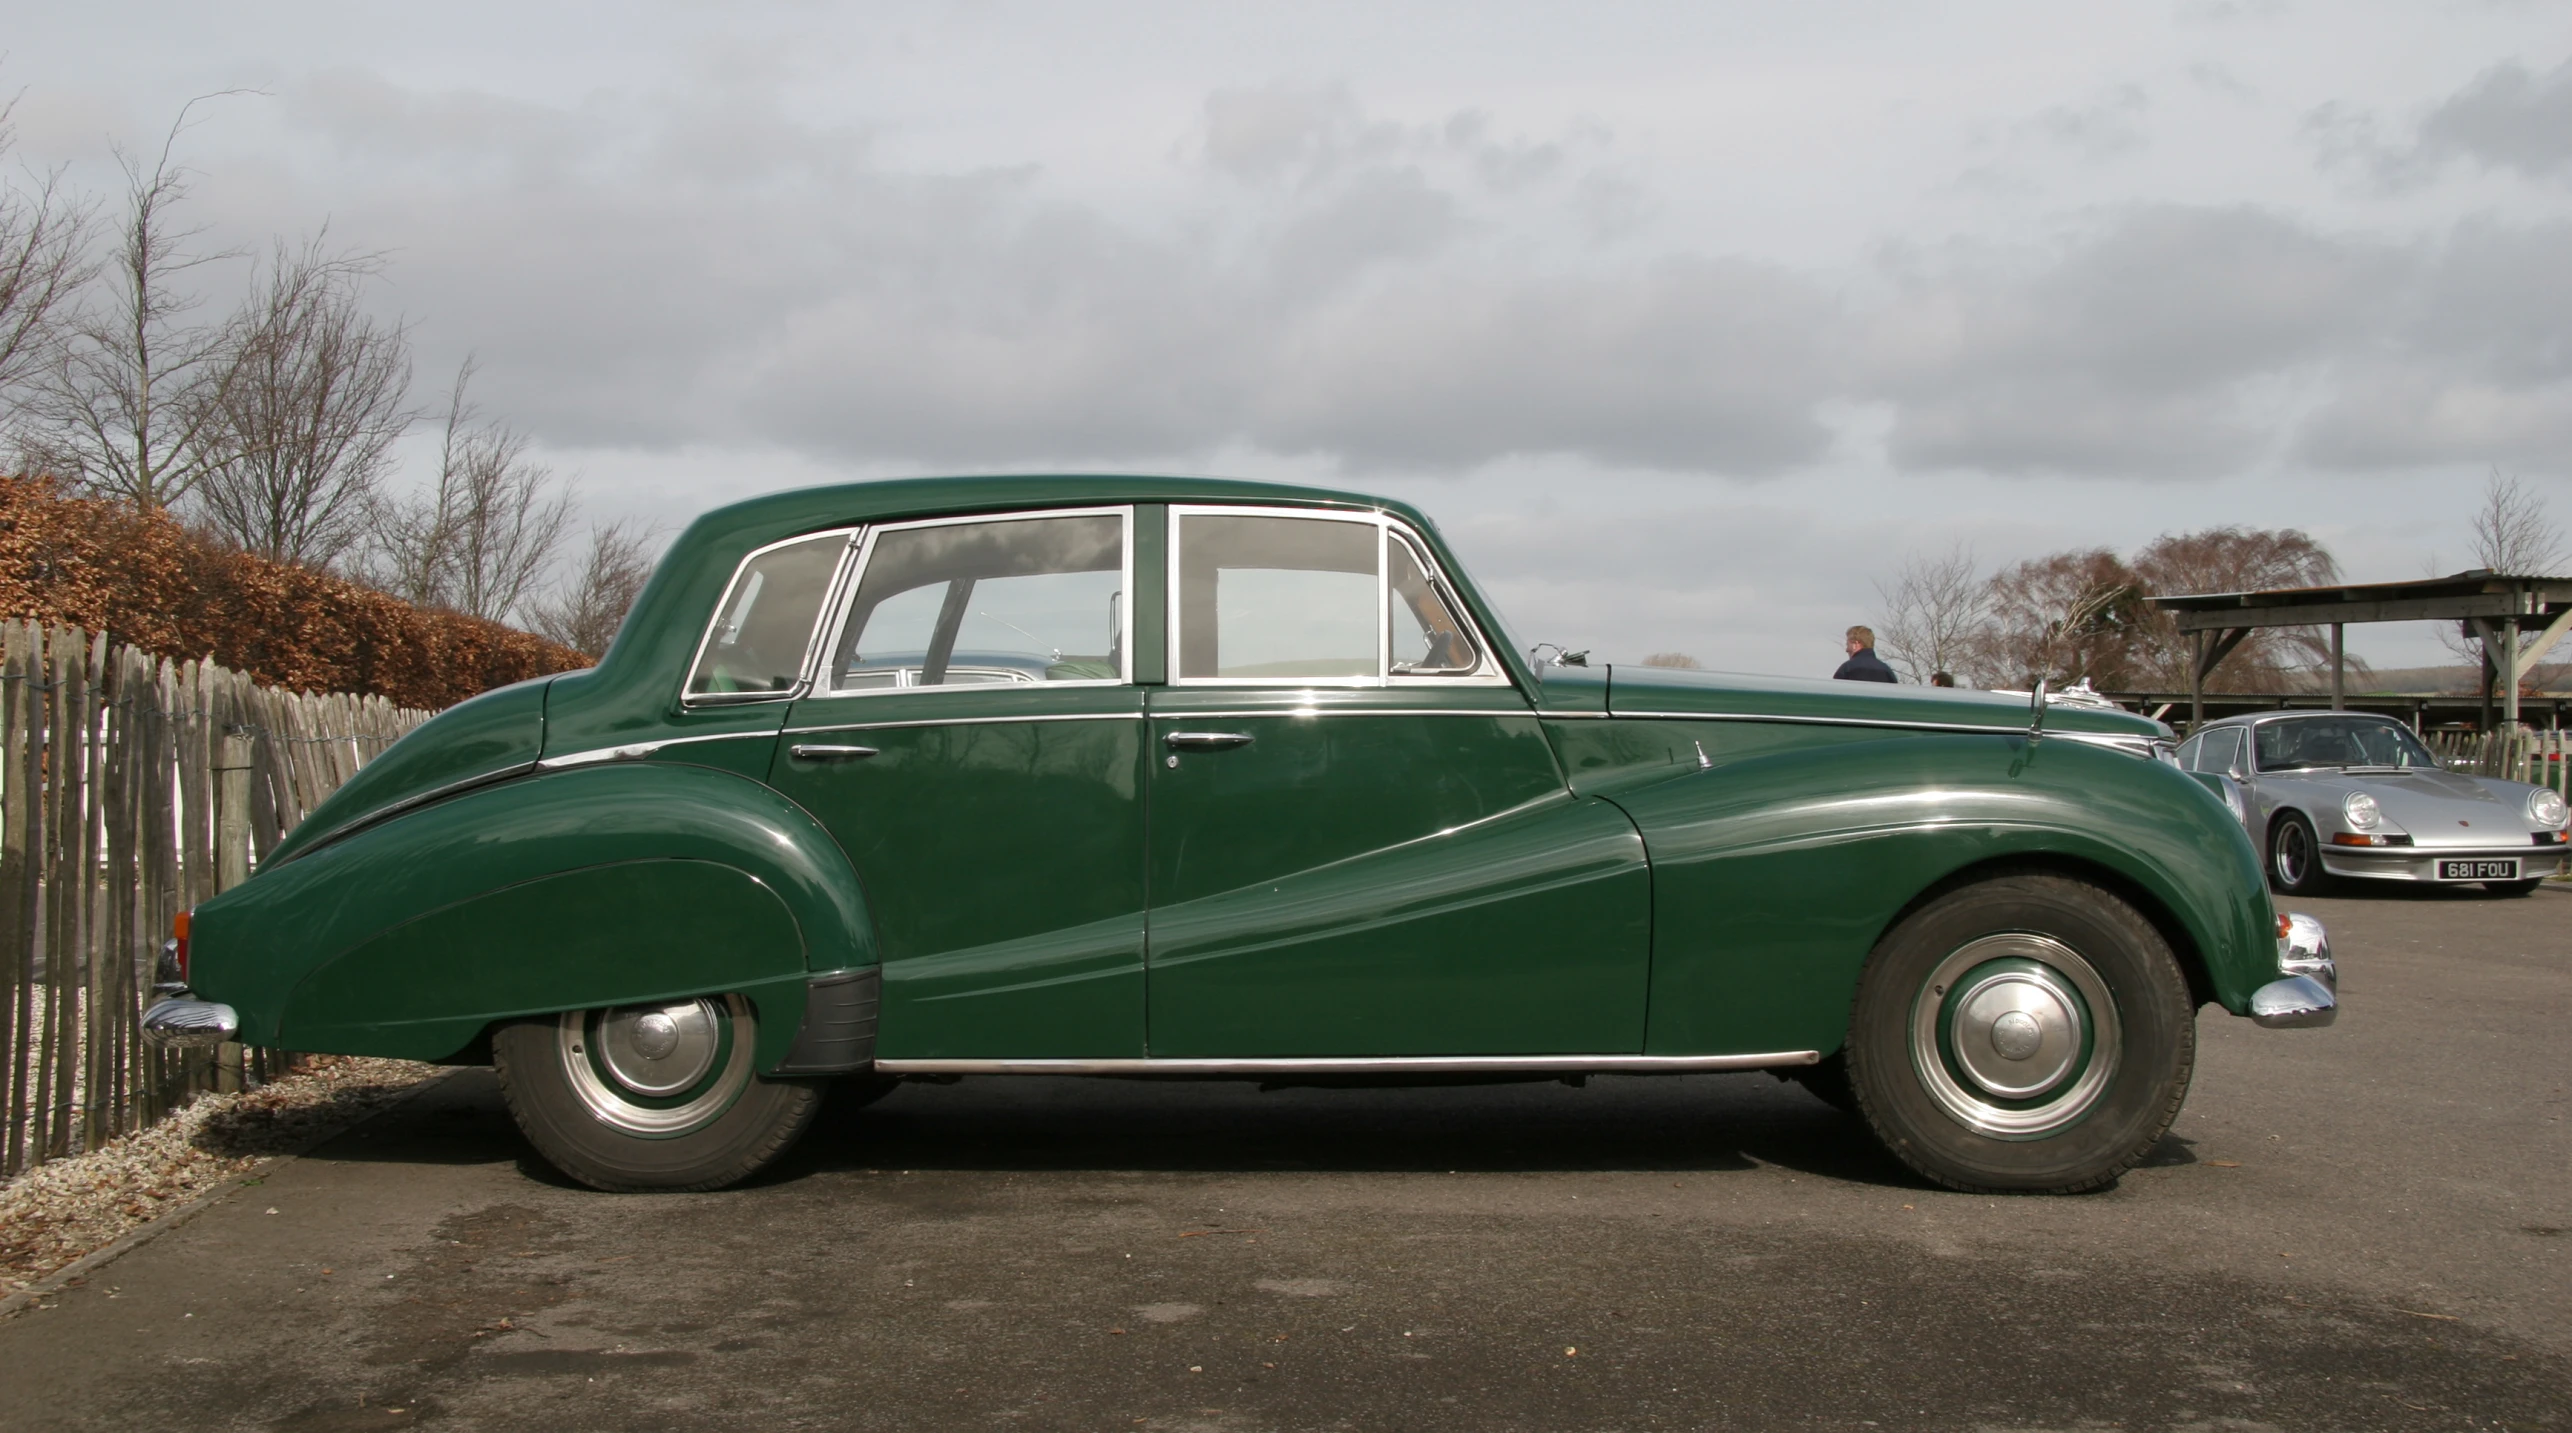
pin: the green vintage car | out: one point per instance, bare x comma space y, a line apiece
1154, 777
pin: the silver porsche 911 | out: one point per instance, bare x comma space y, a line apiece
2332, 794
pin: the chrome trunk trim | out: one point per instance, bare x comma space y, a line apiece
1364, 1065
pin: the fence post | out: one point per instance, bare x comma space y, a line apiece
232, 813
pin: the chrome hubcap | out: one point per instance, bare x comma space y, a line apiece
659, 1069
2014, 1036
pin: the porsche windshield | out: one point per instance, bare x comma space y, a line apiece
2303, 743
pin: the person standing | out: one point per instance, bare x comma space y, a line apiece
1863, 664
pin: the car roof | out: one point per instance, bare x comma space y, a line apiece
838, 503
2258, 718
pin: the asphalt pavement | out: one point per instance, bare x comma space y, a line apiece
2356, 1228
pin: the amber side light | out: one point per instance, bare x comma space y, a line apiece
2352, 838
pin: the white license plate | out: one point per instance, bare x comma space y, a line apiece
2505, 869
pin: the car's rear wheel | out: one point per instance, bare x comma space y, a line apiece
2029, 1034
2513, 888
655, 1096
2295, 856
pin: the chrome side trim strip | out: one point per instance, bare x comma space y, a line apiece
965, 721
2136, 744
640, 749
1371, 1065
1252, 712
1886, 723
408, 804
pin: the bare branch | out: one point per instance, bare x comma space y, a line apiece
1675, 661
124, 408
299, 437
1933, 615
586, 614
44, 237
481, 540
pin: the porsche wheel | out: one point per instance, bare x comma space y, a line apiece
2029, 1034
646, 1097
2295, 856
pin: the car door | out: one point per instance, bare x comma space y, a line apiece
1360, 841
974, 740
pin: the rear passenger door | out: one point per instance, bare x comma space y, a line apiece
974, 741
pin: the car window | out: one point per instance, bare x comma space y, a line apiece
765, 623
1427, 637
2304, 743
2187, 753
1002, 602
2223, 750
1278, 598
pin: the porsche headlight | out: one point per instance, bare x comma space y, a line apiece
2360, 810
2545, 807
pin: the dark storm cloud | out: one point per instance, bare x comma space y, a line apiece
628, 289
657, 270
2125, 350
2510, 117
2472, 360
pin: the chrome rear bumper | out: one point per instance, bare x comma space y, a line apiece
189, 1024
2308, 995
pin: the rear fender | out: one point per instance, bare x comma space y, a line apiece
600, 885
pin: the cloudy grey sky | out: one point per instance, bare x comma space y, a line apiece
1686, 320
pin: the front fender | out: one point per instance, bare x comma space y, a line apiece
1773, 877
596, 886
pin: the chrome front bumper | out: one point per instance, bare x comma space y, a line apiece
2420, 863
2308, 995
189, 1024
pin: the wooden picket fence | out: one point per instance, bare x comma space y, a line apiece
2541, 755
132, 788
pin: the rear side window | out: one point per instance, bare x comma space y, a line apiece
764, 626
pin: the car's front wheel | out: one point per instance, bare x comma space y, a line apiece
647, 1097
2029, 1033
2295, 856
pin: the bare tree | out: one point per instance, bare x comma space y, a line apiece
2064, 618
1677, 661
2232, 559
125, 406
481, 540
299, 437
1934, 614
43, 240
586, 614
2511, 535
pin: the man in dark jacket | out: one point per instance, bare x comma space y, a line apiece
1863, 664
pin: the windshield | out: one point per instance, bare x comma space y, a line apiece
2303, 743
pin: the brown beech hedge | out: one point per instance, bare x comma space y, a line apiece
144, 578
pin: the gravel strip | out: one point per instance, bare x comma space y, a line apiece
60, 1211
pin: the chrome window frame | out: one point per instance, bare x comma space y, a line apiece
1389, 529
1486, 671
819, 682
831, 592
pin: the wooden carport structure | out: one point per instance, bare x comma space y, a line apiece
2489, 602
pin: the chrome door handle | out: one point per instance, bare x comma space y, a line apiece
1205, 740
810, 751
